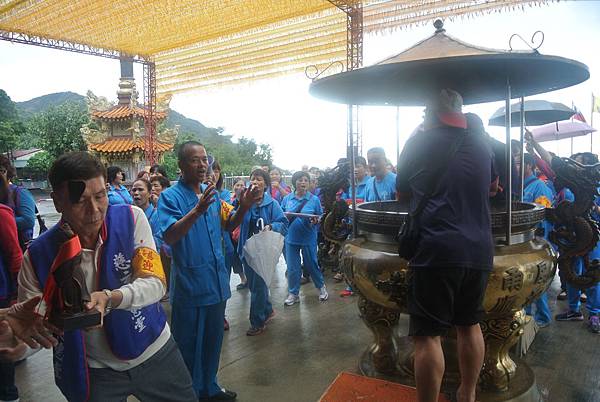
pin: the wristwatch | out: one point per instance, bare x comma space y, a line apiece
109, 305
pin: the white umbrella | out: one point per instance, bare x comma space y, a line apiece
262, 252
561, 130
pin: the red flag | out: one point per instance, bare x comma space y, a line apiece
579, 116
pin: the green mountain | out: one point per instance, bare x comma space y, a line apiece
186, 125
42, 103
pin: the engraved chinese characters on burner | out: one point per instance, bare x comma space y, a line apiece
512, 279
544, 269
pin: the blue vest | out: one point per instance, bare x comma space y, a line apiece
129, 333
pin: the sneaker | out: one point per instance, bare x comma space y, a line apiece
542, 324
270, 317
323, 295
223, 395
569, 316
255, 331
562, 295
291, 300
338, 277
594, 324
583, 298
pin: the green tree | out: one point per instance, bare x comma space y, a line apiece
11, 128
170, 164
38, 166
58, 129
234, 158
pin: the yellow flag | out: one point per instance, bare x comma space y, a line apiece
595, 104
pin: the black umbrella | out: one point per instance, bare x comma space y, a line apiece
441, 61
536, 112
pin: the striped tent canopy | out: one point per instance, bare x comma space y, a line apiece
199, 44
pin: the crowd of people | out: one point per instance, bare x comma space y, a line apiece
149, 231
154, 241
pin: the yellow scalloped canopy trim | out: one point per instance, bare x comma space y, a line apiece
198, 44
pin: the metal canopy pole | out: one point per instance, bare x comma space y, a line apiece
352, 165
397, 134
522, 172
508, 165
354, 58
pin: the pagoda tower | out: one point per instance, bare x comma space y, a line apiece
116, 130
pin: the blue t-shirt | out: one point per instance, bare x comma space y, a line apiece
270, 212
361, 189
199, 275
301, 232
225, 195
455, 225
119, 195
152, 215
21, 201
383, 190
537, 191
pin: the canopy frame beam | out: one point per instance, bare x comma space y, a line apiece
149, 82
354, 59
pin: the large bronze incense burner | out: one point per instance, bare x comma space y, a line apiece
522, 271
524, 265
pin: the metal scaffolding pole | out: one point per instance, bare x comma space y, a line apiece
354, 58
509, 161
149, 112
149, 77
25, 39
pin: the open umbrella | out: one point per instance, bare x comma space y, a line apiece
536, 113
561, 130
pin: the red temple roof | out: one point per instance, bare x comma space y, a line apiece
125, 145
124, 111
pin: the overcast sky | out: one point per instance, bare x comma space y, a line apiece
305, 130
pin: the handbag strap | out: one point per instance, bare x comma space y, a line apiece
435, 180
377, 197
299, 209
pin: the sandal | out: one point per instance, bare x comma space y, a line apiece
255, 331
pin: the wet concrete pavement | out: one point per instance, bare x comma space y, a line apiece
307, 345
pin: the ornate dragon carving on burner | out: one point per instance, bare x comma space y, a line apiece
576, 233
331, 183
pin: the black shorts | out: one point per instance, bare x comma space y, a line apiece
440, 298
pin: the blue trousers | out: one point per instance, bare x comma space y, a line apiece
260, 306
309, 253
198, 332
542, 310
593, 293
